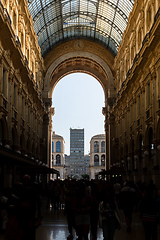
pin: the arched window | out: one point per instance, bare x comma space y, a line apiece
103, 160
52, 147
13, 139
58, 160
103, 146
96, 146
58, 146
132, 52
96, 160
14, 20
1, 133
139, 37
151, 144
22, 40
149, 16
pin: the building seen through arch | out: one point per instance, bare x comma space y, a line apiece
58, 156
118, 43
97, 155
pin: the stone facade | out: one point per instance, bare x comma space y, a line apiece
135, 113
57, 156
97, 155
23, 113
131, 84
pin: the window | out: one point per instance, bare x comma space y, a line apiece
96, 160
4, 82
22, 40
28, 114
96, 146
58, 159
52, 147
132, 52
23, 106
103, 160
58, 146
159, 82
28, 54
103, 146
15, 96
127, 65
149, 16
139, 37
33, 67
148, 95
138, 106
1, 132
14, 20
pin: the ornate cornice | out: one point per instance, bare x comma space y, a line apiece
85, 45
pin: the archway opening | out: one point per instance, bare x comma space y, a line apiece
78, 99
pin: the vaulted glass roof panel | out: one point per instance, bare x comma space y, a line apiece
100, 20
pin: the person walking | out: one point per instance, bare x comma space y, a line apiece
107, 210
127, 201
149, 213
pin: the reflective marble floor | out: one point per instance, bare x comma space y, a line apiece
54, 227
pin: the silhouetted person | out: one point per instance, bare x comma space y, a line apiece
15, 227
81, 208
30, 208
94, 212
148, 210
107, 209
50, 194
127, 201
69, 192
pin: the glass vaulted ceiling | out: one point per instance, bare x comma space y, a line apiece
101, 20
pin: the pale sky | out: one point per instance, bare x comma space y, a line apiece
78, 99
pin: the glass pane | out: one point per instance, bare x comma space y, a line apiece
91, 18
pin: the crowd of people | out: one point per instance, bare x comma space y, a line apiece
88, 205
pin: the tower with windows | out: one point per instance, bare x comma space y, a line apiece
77, 163
97, 154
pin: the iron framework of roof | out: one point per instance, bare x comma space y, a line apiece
100, 20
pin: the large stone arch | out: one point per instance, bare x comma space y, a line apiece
91, 58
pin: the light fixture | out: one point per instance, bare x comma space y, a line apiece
158, 147
7, 146
146, 153
129, 159
135, 157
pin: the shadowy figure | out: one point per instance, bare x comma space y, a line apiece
127, 201
69, 191
81, 208
148, 208
94, 213
50, 194
107, 209
14, 227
